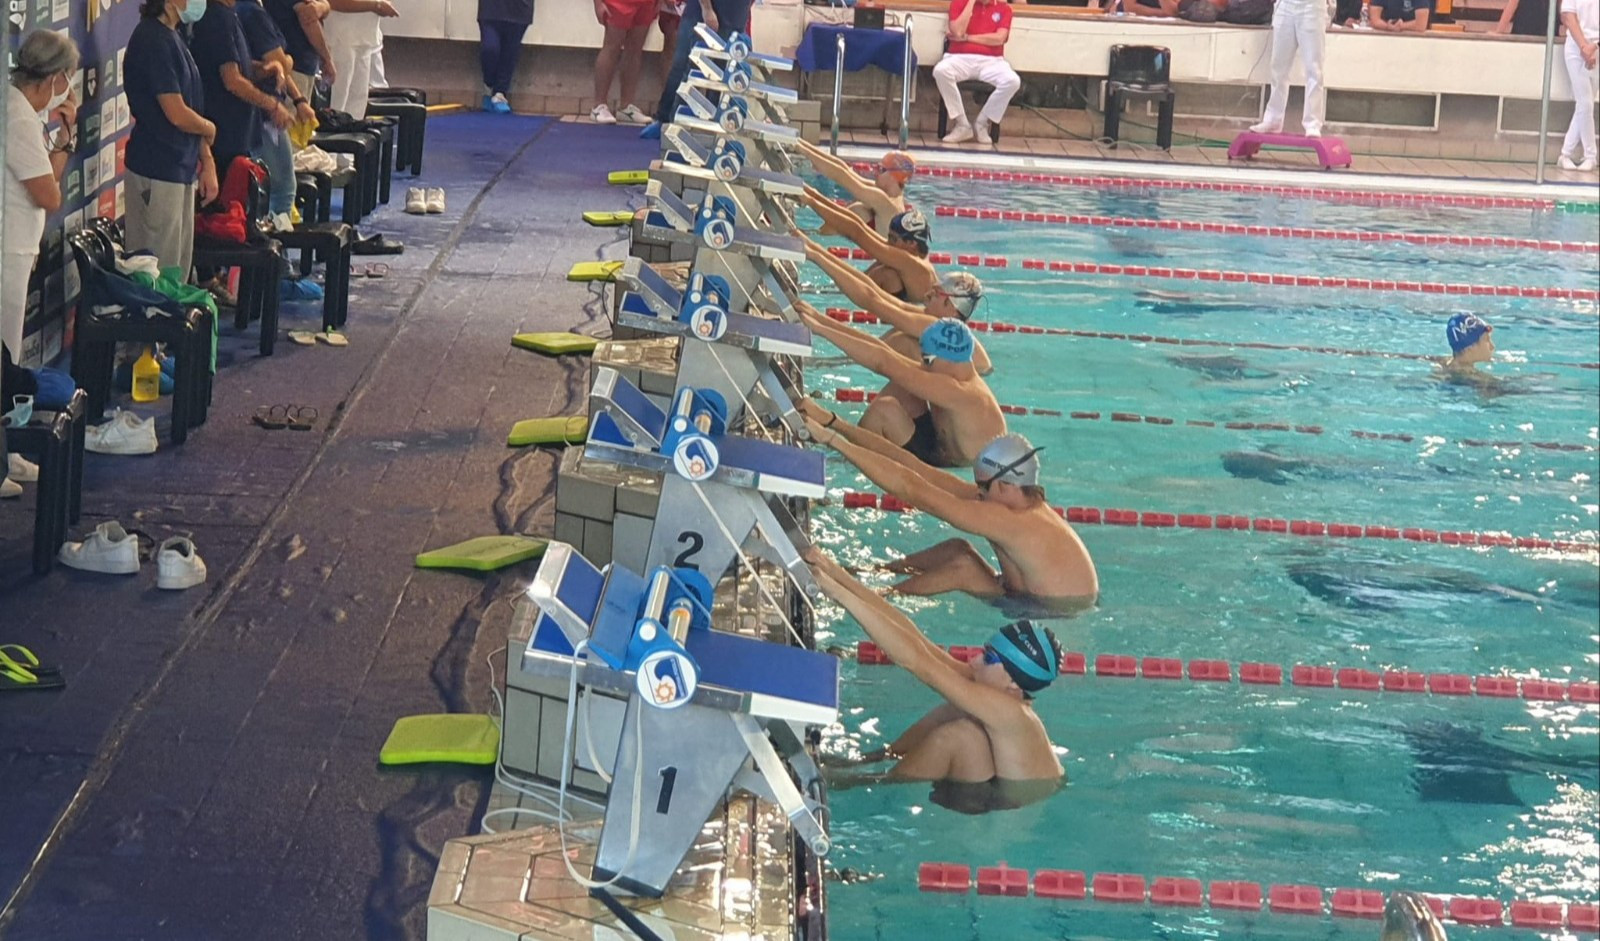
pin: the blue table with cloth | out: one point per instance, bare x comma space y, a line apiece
883, 48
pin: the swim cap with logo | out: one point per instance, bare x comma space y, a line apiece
964, 290
948, 339
898, 161
1030, 654
912, 226
1011, 458
1464, 330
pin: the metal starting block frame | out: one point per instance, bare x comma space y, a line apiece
758, 266
743, 725
739, 507
741, 364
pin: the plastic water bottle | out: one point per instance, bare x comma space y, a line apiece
1366, 17
146, 377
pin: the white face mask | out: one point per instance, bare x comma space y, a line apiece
57, 99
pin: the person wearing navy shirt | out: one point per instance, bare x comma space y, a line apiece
227, 77
1401, 16
266, 43
169, 150
300, 21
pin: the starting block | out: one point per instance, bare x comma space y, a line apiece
1331, 151
758, 266
706, 711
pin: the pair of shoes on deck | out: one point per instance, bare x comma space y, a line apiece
112, 550
421, 201
964, 131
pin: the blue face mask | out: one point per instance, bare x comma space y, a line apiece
192, 11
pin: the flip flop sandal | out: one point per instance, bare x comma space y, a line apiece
300, 421
16, 655
333, 338
377, 270
272, 417
303, 337
15, 677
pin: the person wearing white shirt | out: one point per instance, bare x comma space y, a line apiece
1582, 20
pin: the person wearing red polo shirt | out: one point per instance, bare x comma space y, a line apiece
977, 32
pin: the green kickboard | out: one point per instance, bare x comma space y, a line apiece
460, 739
594, 271
558, 430
555, 344
607, 217
483, 554
628, 177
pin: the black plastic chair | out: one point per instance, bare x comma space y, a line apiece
328, 242
313, 193
1140, 73
361, 190
413, 126
55, 440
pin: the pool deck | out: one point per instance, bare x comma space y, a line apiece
211, 769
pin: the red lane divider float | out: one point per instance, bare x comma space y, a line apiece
1120, 888
1243, 277
862, 395
860, 316
1271, 231
1361, 197
1316, 676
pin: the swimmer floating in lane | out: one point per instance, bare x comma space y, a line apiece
1042, 561
947, 413
877, 200
984, 748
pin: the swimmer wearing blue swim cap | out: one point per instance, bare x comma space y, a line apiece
949, 340
1471, 341
984, 748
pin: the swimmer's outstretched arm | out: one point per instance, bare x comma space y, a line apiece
872, 353
915, 272
843, 174
863, 448
951, 499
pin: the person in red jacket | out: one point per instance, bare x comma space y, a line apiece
977, 32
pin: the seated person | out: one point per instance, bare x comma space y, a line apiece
946, 413
876, 201
1041, 559
1400, 16
984, 744
977, 35
955, 295
900, 260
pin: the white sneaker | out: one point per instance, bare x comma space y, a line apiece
435, 200
1566, 163
178, 566
980, 132
21, 470
416, 201
1588, 165
123, 434
632, 115
282, 222
1265, 128
601, 113
110, 549
9, 489
959, 134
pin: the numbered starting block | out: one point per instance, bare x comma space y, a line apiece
706, 711
722, 495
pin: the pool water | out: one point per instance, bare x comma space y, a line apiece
1498, 798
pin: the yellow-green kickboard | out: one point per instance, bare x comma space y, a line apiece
628, 177
594, 271
560, 429
555, 343
483, 554
462, 739
607, 217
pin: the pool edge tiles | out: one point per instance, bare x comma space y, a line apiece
1586, 192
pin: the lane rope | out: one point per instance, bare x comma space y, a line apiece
1271, 231
1222, 895
1314, 676
844, 315
1360, 197
849, 395
1242, 277
1227, 522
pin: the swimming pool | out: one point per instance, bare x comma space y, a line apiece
1327, 787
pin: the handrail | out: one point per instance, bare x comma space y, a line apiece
908, 76
838, 96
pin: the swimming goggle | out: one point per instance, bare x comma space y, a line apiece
990, 657
985, 483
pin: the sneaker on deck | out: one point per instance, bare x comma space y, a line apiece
1265, 128
416, 201
9, 489
980, 132
178, 566
110, 550
959, 134
632, 115
601, 113
125, 433
435, 200
20, 469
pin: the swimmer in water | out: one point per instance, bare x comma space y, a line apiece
876, 201
1042, 561
984, 747
1471, 342
900, 260
945, 413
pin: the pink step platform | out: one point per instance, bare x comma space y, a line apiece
1331, 151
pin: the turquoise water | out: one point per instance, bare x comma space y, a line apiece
1475, 797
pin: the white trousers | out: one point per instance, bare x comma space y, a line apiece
14, 302
991, 70
1298, 26
1581, 130
354, 41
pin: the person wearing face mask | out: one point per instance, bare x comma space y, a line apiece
169, 151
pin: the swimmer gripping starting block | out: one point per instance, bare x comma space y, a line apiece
720, 492
706, 711
729, 352
1331, 151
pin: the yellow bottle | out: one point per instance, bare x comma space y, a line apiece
147, 377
